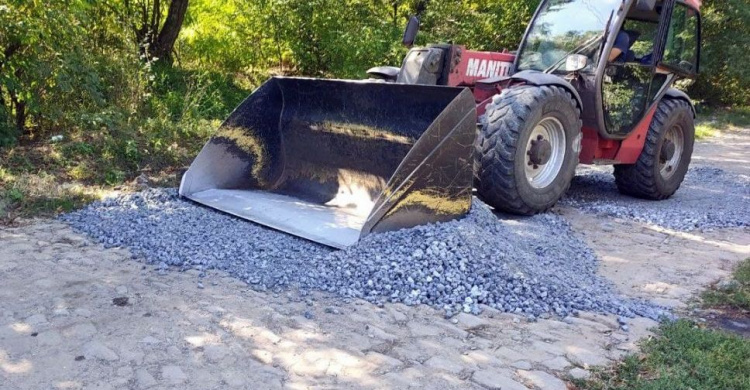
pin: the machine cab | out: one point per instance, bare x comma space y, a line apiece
662, 46
655, 42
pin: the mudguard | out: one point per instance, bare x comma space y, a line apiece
537, 78
675, 93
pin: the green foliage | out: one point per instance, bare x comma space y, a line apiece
74, 69
340, 38
725, 76
683, 356
312, 37
328, 37
232, 35
481, 25
62, 63
7, 130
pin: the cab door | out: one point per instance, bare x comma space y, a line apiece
664, 47
628, 82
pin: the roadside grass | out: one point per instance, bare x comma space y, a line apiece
712, 121
44, 180
29, 195
731, 293
684, 355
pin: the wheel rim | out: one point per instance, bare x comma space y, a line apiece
549, 137
669, 159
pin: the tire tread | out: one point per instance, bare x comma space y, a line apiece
497, 145
640, 179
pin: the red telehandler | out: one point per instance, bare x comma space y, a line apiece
591, 83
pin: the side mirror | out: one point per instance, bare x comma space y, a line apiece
576, 62
412, 28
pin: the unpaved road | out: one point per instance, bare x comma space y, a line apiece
60, 326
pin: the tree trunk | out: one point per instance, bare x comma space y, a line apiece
164, 42
21, 118
4, 111
20, 111
154, 39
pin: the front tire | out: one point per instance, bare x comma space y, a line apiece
527, 149
666, 155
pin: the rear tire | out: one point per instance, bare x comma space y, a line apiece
506, 175
661, 167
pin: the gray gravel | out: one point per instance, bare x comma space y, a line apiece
533, 266
709, 198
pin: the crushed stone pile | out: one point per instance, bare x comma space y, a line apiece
531, 266
709, 198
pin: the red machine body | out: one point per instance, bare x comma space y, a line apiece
485, 73
473, 66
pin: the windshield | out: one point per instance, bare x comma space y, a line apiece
565, 27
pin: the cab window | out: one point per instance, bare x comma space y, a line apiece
642, 36
681, 47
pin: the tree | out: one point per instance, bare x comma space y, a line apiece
30, 43
62, 62
155, 33
724, 74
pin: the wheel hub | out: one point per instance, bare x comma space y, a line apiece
540, 152
667, 150
545, 152
670, 154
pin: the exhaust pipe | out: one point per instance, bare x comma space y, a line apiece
333, 161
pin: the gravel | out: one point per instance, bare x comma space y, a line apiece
708, 199
532, 266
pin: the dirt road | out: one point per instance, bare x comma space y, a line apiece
75, 316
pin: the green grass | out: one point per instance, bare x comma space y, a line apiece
712, 121
682, 356
735, 295
39, 194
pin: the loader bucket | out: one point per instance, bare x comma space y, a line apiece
333, 161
